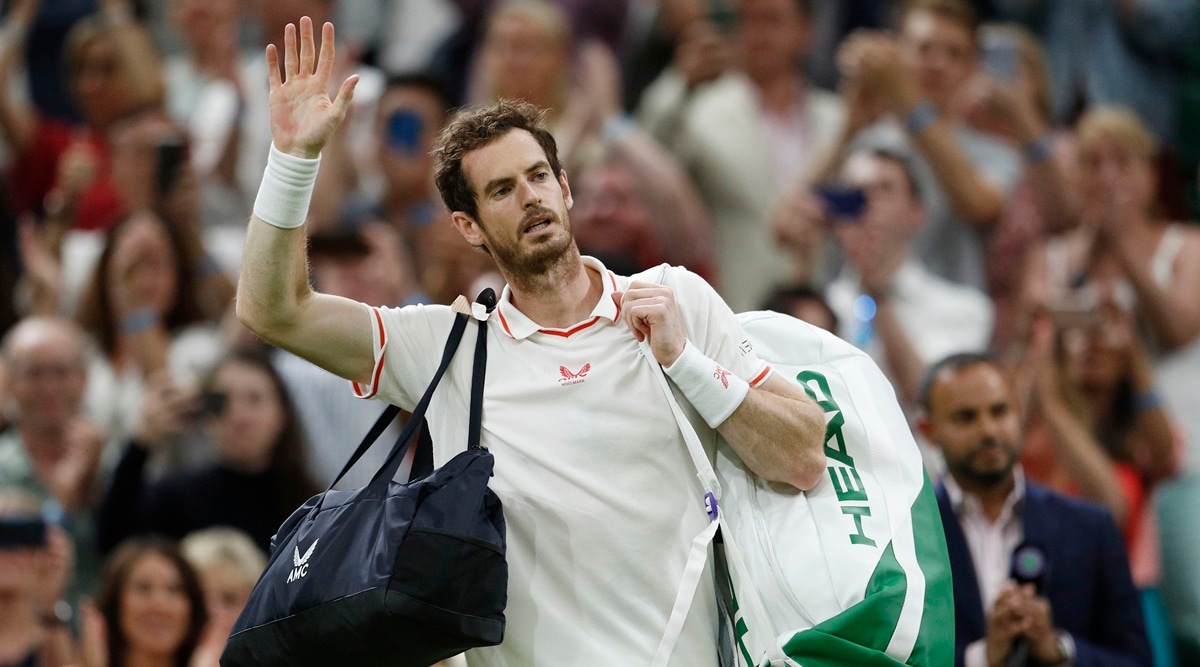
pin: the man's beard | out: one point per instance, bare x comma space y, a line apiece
520, 263
964, 470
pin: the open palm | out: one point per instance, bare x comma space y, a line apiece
302, 115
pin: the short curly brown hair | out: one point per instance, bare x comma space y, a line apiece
475, 128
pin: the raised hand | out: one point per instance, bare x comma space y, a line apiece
303, 117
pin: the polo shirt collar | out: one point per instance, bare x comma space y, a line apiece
517, 325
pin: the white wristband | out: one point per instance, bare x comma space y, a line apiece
286, 189
714, 391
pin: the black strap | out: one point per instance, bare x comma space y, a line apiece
423, 461
389, 413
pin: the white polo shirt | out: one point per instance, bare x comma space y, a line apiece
600, 497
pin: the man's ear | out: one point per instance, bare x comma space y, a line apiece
925, 428
566, 188
468, 227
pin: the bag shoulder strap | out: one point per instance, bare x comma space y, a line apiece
488, 298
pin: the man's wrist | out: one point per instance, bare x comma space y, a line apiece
286, 190
714, 391
921, 117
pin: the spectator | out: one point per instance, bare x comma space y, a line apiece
149, 609
412, 111
52, 451
804, 303
204, 94
142, 307
901, 92
1009, 99
630, 226
1113, 52
34, 627
112, 69
259, 478
229, 565
887, 302
740, 115
1101, 431
1085, 611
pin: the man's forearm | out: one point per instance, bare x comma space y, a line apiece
779, 436
974, 199
273, 280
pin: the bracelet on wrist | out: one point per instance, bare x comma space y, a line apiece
139, 321
921, 118
1144, 401
712, 390
1040, 150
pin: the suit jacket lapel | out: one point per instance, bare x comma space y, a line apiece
967, 602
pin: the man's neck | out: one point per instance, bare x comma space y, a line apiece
780, 93
43, 443
991, 497
136, 658
560, 297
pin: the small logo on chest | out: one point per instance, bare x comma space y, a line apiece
568, 378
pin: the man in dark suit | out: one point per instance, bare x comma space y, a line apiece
1086, 610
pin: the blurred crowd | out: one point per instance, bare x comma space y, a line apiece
921, 178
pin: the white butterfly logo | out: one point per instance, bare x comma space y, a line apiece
301, 560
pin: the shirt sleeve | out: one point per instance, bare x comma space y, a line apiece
714, 328
407, 342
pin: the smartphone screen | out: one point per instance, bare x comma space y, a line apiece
842, 203
404, 131
22, 532
170, 154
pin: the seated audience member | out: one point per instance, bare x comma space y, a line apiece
52, 451
112, 69
229, 565
35, 563
804, 303
887, 301
901, 93
1009, 99
149, 610
1099, 430
740, 115
1084, 610
260, 475
142, 307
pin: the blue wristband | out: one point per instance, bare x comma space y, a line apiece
1144, 401
921, 118
139, 321
1040, 150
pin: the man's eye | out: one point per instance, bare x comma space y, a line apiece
541, 176
500, 192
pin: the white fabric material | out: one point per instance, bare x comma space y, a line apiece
940, 317
790, 561
713, 391
286, 190
599, 494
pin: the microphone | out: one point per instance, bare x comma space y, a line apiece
1028, 566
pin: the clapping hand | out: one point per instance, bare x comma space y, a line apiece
303, 117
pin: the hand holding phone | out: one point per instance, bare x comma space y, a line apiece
843, 204
1000, 56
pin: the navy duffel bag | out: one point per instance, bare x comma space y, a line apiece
390, 574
